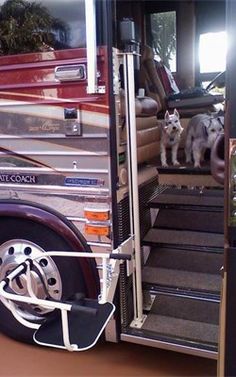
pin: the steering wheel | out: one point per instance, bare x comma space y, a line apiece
218, 80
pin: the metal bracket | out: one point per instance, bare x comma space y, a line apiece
138, 323
127, 247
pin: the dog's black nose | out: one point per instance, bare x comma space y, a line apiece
174, 128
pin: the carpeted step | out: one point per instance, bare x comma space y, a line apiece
187, 260
182, 279
204, 221
200, 332
184, 318
213, 199
183, 237
186, 308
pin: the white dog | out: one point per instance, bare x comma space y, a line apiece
201, 134
171, 131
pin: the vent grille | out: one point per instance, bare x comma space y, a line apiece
147, 192
123, 220
126, 298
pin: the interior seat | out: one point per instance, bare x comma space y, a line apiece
152, 83
148, 132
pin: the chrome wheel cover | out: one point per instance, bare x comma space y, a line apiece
46, 282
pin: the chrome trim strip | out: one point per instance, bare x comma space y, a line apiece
169, 346
52, 170
79, 219
54, 136
64, 153
89, 117
97, 244
55, 189
84, 220
185, 295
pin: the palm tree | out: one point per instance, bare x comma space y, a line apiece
27, 27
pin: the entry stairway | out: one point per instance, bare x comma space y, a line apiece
181, 277
182, 272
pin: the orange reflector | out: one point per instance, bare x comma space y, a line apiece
96, 215
97, 230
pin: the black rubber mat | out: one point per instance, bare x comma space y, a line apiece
181, 317
183, 168
190, 220
191, 198
183, 237
190, 170
195, 192
84, 328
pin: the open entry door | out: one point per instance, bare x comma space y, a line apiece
227, 349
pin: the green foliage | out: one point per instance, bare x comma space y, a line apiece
26, 27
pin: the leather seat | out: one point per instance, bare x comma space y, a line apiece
154, 88
148, 132
144, 106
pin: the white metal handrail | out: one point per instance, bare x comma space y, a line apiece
32, 299
9, 298
133, 183
91, 45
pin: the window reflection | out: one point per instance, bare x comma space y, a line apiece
163, 29
45, 25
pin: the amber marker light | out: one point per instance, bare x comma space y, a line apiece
96, 215
97, 230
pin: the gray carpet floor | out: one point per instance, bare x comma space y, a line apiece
182, 279
180, 328
201, 221
183, 237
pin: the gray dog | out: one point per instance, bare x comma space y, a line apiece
201, 134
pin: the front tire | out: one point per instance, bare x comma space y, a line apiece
62, 275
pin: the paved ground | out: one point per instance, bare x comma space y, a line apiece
108, 359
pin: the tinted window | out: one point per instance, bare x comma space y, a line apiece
163, 30
41, 25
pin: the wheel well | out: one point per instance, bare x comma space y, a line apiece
53, 220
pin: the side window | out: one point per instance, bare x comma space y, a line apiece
211, 40
212, 54
41, 25
163, 30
